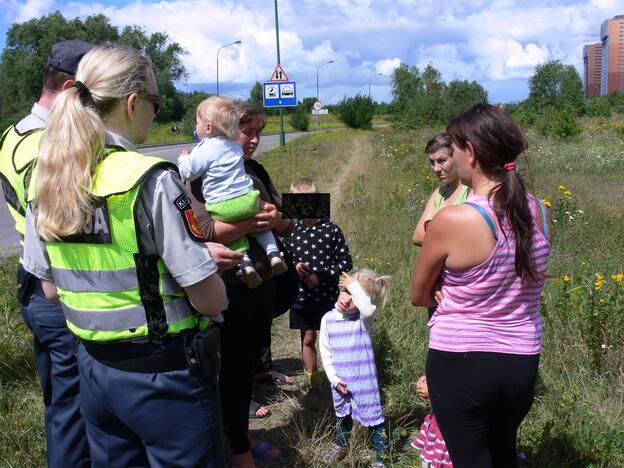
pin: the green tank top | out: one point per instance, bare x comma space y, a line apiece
462, 197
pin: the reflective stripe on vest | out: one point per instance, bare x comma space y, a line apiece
96, 271
17, 155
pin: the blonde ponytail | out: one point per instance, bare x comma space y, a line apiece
377, 286
73, 141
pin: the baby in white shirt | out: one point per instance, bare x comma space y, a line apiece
226, 187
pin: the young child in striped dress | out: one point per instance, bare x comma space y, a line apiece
429, 441
347, 354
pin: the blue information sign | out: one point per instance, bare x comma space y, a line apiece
280, 94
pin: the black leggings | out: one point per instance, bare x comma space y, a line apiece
479, 400
244, 313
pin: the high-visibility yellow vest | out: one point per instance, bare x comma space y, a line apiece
18, 152
108, 288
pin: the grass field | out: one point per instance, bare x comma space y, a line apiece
379, 183
161, 133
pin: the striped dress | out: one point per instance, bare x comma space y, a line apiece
488, 307
354, 361
431, 444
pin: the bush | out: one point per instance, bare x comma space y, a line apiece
300, 118
599, 106
558, 122
356, 112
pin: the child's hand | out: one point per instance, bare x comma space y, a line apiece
421, 387
346, 279
311, 281
302, 269
184, 152
342, 388
437, 288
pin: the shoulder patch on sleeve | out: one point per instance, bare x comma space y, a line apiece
183, 204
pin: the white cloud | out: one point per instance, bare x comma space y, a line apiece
19, 11
387, 66
489, 41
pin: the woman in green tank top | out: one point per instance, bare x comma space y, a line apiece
451, 192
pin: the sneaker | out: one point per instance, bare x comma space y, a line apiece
250, 276
336, 453
378, 465
277, 264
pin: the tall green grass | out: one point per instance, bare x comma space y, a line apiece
577, 419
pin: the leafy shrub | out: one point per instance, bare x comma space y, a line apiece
599, 106
562, 123
300, 118
356, 112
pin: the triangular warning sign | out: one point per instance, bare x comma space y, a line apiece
278, 74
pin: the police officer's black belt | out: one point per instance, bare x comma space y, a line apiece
142, 358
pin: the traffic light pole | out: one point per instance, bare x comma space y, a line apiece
281, 109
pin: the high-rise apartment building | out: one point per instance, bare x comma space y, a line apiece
592, 64
612, 68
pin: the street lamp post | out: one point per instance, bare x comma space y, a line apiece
369, 83
223, 47
318, 117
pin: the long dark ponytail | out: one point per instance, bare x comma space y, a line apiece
498, 141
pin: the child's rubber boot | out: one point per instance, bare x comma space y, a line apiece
249, 275
278, 266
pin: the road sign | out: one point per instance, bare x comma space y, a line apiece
280, 94
278, 74
317, 105
320, 112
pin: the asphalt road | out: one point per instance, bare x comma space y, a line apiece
9, 239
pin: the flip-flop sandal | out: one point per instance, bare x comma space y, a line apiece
262, 451
279, 378
254, 406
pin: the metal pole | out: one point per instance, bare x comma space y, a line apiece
318, 117
281, 109
218, 51
318, 98
369, 83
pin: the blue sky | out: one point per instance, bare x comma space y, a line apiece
495, 42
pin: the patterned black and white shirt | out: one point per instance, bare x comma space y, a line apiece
322, 246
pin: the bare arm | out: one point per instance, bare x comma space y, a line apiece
50, 292
430, 262
427, 214
208, 296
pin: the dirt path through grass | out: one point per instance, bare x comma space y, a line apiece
292, 412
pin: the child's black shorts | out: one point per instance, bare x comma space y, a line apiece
306, 319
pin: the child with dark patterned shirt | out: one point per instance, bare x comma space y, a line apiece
320, 254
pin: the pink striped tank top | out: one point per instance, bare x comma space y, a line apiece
487, 307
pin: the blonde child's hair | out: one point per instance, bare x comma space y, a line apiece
303, 185
378, 287
221, 113
73, 141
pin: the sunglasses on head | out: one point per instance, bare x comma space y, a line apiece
154, 99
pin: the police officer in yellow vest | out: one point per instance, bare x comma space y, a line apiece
111, 234
53, 344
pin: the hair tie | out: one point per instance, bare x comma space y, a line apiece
510, 166
376, 280
83, 91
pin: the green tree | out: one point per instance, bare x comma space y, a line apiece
461, 96
557, 85
616, 102
598, 107
300, 118
256, 94
356, 112
28, 45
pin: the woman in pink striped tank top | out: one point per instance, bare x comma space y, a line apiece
488, 259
